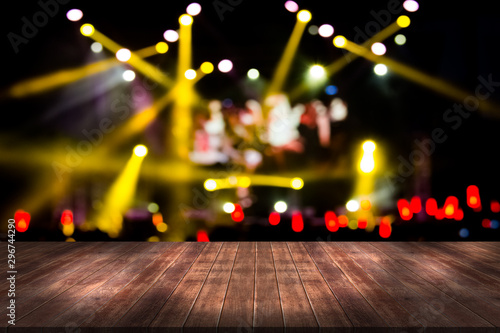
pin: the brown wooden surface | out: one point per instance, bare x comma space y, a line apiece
237, 287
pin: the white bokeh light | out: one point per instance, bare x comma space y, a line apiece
410, 6
96, 47
378, 48
74, 15
128, 75
193, 9
380, 69
171, 36
225, 66
123, 55
325, 30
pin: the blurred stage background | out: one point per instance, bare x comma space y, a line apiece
250, 120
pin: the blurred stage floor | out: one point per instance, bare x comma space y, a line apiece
236, 286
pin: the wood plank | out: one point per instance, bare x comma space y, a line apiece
467, 253
407, 298
178, 306
267, 313
494, 256
459, 273
359, 311
326, 307
115, 308
441, 302
47, 286
427, 270
142, 312
387, 307
207, 308
63, 301
239, 303
92, 301
297, 311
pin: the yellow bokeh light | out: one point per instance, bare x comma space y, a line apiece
304, 16
449, 210
367, 163
190, 74
403, 21
87, 29
297, 183
339, 41
153, 239
162, 227
207, 67
210, 185
140, 150
161, 47
186, 19
68, 229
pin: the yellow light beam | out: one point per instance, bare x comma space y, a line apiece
213, 184
436, 84
120, 196
135, 60
63, 77
337, 65
285, 62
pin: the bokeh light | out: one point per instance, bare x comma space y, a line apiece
153, 207
297, 183
140, 150
403, 21
331, 90
378, 48
207, 67
171, 36
190, 74
410, 6
280, 206
400, 39
313, 30
74, 15
210, 185
161, 47
326, 30
380, 69
128, 75
225, 66
464, 233
228, 207
253, 74
304, 16
87, 29
352, 205
193, 9
186, 19
96, 47
123, 55
291, 6
317, 72
339, 41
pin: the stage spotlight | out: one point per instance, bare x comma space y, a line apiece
74, 15
304, 16
410, 6
297, 183
317, 72
378, 48
400, 39
96, 47
171, 36
210, 185
190, 74
123, 55
225, 66
367, 163
193, 9
380, 69
207, 67
87, 29
280, 206
140, 151
291, 6
186, 19
325, 30
253, 74
339, 41
403, 21
352, 205
128, 75
161, 47
228, 207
